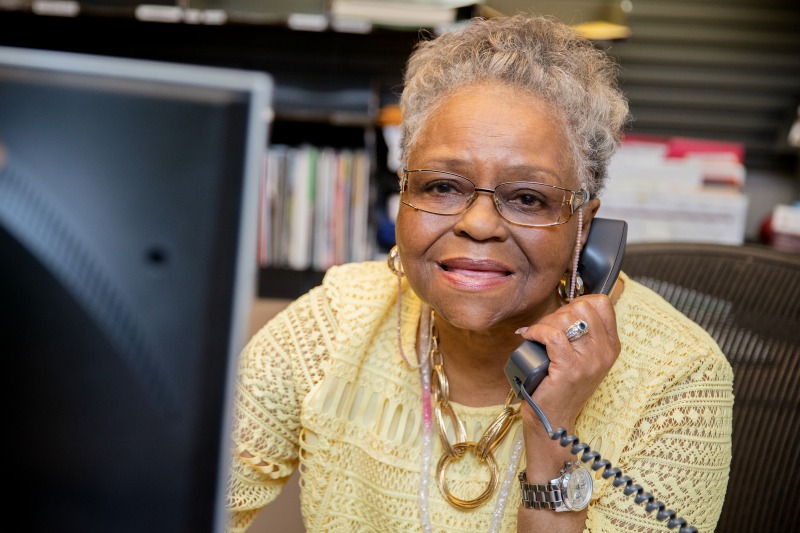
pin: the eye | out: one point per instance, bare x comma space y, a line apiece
443, 185
525, 198
530, 199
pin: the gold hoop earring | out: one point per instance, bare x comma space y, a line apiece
565, 284
393, 261
394, 264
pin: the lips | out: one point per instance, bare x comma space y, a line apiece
474, 270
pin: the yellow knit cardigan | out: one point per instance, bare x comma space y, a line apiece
322, 386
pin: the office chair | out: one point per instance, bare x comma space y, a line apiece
748, 298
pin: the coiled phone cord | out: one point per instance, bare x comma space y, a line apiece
586, 454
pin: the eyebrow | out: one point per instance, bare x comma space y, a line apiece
531, 173
514, 173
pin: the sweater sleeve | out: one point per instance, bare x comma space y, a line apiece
678, 445
680, 453
276, 370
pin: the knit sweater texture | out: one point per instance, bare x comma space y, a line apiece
322, 387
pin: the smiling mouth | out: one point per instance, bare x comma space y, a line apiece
475, 269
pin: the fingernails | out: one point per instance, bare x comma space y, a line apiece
520, 331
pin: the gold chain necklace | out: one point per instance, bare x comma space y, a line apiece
482, 449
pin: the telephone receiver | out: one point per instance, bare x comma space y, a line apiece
599, 266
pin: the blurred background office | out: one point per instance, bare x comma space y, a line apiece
714, 89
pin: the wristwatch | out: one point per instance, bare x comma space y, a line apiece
570, 491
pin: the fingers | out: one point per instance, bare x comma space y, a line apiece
589, 317
577, 366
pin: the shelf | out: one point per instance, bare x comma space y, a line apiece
284, 283
336, 118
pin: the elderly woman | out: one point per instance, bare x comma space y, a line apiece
387, 386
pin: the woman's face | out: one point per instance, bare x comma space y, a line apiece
475, 269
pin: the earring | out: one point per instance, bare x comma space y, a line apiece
393, 261
565, 287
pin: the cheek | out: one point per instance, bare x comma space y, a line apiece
549, 255
401, 223
404, 231
417, 231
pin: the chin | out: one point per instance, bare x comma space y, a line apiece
470, 313
475, 319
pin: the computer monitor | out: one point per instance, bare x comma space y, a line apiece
128, 214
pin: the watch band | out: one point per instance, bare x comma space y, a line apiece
570, 491
536, 496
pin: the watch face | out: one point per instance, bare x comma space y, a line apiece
578, 489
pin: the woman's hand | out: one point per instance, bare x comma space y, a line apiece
576, 370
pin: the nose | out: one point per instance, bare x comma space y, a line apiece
481, 220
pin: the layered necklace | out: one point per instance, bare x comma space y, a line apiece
437, 407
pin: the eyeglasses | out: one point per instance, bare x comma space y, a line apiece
525, 203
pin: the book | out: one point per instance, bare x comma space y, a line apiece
314, 207
327, 167
302, 178
786, 228
359, 210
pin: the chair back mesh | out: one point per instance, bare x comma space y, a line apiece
748, 299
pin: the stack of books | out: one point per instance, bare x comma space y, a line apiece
785, 228
314, 207
678, 189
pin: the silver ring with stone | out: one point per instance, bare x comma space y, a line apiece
576, 330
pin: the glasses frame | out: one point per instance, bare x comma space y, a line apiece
582, 193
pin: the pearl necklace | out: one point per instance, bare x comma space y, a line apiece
437, 391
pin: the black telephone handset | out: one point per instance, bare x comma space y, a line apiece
599, 266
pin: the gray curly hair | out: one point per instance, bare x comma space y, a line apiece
533, 53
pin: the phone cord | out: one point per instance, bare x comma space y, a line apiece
586, 454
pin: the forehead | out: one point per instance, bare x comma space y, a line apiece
498, 131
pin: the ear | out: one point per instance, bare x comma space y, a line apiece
589, 212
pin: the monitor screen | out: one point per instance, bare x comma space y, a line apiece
128, 213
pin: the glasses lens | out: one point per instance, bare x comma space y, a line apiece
437, 192
531, 204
